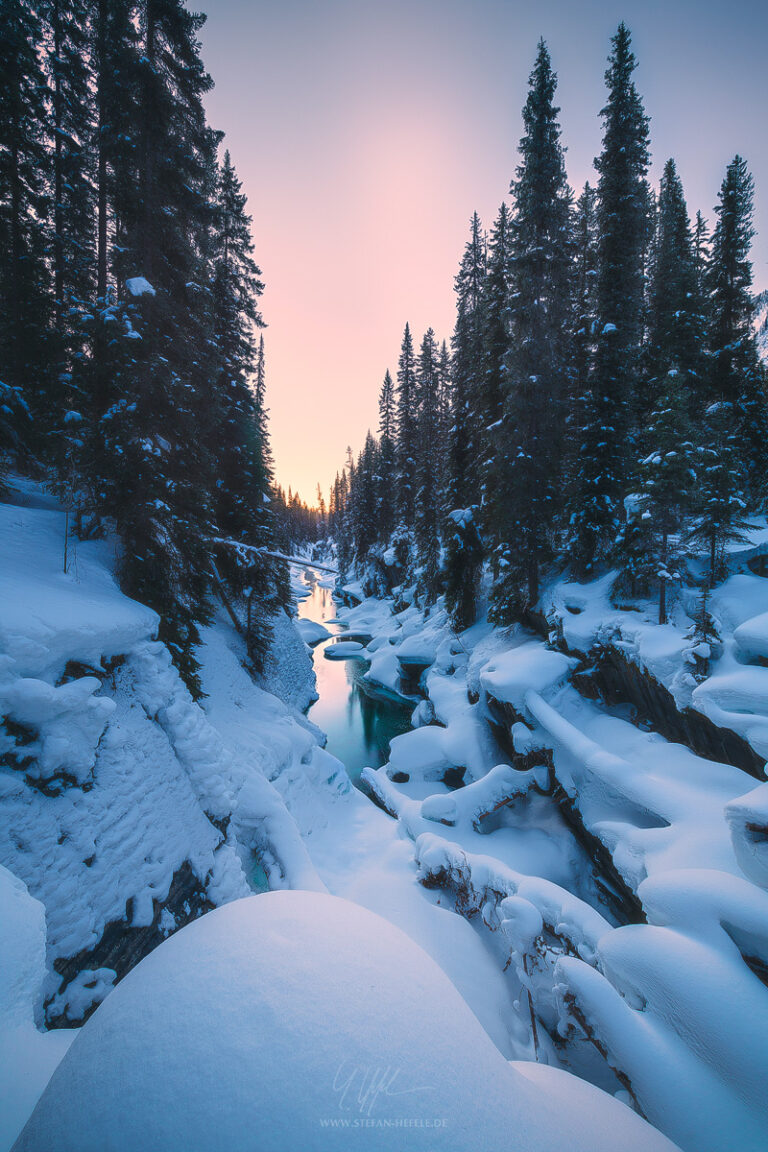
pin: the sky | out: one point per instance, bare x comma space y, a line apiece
366, 133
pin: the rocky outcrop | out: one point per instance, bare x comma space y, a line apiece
616, 680
122, 946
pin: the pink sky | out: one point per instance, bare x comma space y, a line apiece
366, 134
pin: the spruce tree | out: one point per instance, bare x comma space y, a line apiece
406, 431
233, 432
387, 459
583, 329
467, 370
72, 162
673, 358
152, 482
25, 311
736, 375
428, 498
495, 306
537, 363
607, 435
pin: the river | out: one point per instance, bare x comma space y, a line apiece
358, 721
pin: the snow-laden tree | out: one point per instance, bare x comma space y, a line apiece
26, 371
406, 431
429, 499
674, 385
606, 438
527, 501
387, 477
736, 374
467, 370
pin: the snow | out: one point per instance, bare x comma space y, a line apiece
752, 637
27, 1056
139, 286
222, 1033
343, 650
630, 1003
311, 631
115, 779
509, 677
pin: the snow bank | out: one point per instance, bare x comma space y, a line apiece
126, 807
311, 631
510, 675
27, 1057
343, 650
752, 637
220, 1039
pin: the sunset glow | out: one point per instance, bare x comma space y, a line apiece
366, 135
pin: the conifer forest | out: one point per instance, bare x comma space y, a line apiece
424, 806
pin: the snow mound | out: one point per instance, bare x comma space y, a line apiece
509, 676
343, 649
311, 632
220, 1039
27, 1057
752, 637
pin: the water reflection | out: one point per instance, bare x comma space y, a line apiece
359, 725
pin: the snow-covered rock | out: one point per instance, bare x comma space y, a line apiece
27, 1056
510, 675
344, 649
311, 631
125, 807
291, 1021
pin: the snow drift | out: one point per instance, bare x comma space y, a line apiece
294, 1020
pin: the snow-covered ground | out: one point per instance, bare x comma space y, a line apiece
125, 808
617, 878
594, 892
297, 1021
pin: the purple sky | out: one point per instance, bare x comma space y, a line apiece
366, 134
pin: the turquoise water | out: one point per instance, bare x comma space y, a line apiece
358, 722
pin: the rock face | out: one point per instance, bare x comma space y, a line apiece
620, 681
122, 945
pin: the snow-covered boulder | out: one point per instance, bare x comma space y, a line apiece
344, 650
747, 818
509, 676
296, 1020
752, 637
27, 1056
311, 631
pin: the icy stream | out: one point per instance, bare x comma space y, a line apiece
359, 723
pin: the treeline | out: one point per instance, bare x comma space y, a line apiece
603, 402
130, 370
297, 523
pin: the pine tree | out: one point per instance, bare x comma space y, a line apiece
622, 215
673, 374
492, 445
720, 518
583, 326
467, 370
72, 161
537, 363
234, 432
736, 374
406, 431
24, 212
387, 458
427, 502
495, 306
152, 482
700, 252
